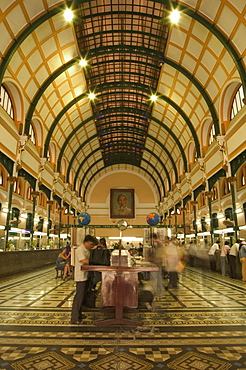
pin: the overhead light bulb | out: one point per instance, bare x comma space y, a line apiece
83, 63
68, 15
174, 16
153, 97
91, 96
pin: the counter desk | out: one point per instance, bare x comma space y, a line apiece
119, 289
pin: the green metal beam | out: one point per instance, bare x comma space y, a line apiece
144, 76
99, 149
144, 63
135, 165
201, 89
57, 119
121, 31
95, 136
105, 166
42, 89
114, 110
172, 4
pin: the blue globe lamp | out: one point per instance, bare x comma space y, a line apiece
84, 219
153, 219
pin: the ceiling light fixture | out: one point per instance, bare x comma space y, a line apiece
174, 16
68, 15
91, 96
153, 97
83, 63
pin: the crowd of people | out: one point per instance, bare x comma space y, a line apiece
168, 255
229, 255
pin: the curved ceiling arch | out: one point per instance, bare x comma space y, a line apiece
95, 136
215, 31
100, 169
173, 4
58, 117
158, 187
183, 115
42, 88
184, 72
99, 150
73, 62
95, 116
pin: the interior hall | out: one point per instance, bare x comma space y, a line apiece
123, 120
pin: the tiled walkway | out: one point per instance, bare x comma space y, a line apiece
198, 326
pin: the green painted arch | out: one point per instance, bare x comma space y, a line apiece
106, 32
58, 117
183, 115
167, 61
155, 79
162, 183
42, 88
200, 88
73, 3
95, 116
186, 119
127, 61
84, 199
99, 149
74, 101
95, 136
147, 135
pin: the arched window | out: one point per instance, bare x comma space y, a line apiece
242, 176
237, 103
226, 187
42, 199
6, 102
215, 192
28, 193
32, 134
17, 187
211, 135
192, 154
2, 177
201, 200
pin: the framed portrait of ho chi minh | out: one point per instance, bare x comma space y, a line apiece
122, 204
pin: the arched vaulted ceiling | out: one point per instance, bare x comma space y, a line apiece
132, 51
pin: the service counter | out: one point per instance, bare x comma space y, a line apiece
119, 289
16, 262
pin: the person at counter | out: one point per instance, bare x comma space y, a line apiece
211, 255
82, 255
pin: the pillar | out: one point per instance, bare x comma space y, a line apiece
209, 195
34, 195
49, 203
60, 209
11, 180
183, 210
232, 180
194, 203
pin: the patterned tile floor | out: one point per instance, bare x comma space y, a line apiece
198, 326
